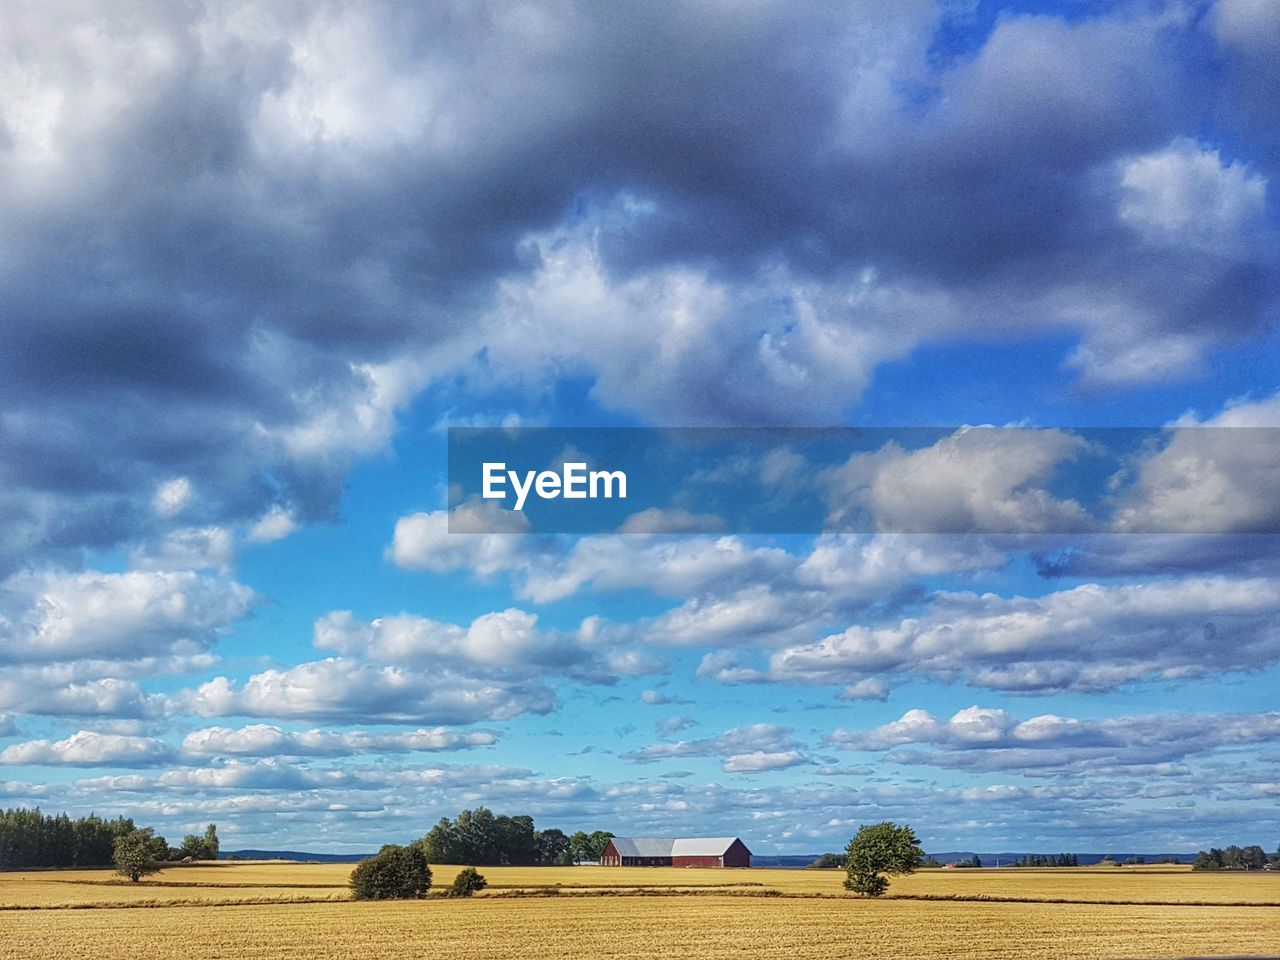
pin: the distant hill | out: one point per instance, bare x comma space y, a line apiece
988, 859
1085, 859
764, 860
294, 855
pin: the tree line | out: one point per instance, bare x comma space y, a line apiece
30, 838
482, 838
1252, 857
476, 837
1047, 860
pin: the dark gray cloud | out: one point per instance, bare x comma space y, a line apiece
273, 225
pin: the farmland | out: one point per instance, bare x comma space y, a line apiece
268, 910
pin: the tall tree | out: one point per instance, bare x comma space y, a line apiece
135, 854
879, 849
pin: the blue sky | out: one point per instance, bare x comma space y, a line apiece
259, 258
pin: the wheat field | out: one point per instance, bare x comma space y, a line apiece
275, 910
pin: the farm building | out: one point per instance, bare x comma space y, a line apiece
675, 852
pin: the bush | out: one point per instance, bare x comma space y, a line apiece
467, 882
396, 873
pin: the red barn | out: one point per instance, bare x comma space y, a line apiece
675, 852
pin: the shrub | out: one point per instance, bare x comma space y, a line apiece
395, 873
467, 882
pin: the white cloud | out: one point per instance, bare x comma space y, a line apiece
759, 761
760, 743
276, 524
172, 497
186, 548
265, 740
984, 738
1208, 476
1086, 638
502, 643
57, 615
87, 749
656, 698
975, 480
349, 691
424, 541
869, 688
671, 520
1186, 194
674, 566
806, 358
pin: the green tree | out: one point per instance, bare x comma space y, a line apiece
394, 873
585, 847
211, 842
879, 849
597, 842
467, 882
134, 854
553, 848
199, 847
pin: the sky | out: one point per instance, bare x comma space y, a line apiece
260, 257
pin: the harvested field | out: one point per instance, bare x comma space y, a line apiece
268, 911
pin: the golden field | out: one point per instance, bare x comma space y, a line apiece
268, 910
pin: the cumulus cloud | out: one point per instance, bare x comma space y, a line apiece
759, 761
656, 698
297, 218
992, 740
423, 541
350, 691
502, 643
171, 497
186, 548
756, 747
70, 690
671, 520
973, 481
57, 615
1208, 476
1087, 638
869, 688
88, 748
1186, 194
921, 196
266, 740
276, 524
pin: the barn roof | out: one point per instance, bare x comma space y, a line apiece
672, 846
701, 846
643, 846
